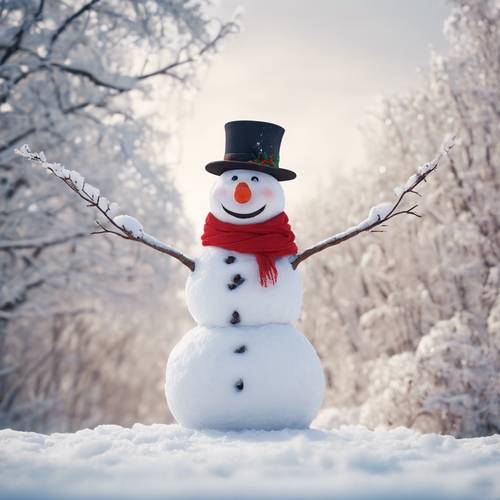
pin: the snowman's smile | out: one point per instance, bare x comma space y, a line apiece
244, 216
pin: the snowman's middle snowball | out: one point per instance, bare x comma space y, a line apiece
225, 281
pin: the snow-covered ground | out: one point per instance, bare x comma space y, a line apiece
169, 461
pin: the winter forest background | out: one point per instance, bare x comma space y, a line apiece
407, 323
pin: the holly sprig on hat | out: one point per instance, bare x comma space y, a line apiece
266, 159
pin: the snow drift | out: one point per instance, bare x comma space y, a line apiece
169, 461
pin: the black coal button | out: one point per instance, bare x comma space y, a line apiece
237, 281
239, 385
235, 318
241, 349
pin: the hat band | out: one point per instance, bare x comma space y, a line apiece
238, 157
261, 158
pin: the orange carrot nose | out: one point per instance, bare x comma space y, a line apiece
242, 193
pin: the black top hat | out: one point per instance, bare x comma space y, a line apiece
252, 145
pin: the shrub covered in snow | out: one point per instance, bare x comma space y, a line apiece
78, 80
407, 322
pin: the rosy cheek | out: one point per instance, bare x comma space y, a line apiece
220, 192
267, 193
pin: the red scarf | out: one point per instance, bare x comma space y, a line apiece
266, 240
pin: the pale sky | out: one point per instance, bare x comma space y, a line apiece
314, 68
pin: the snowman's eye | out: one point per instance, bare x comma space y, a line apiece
234, 178
255, 179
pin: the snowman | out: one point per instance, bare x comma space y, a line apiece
245, 365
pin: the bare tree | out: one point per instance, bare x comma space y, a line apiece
413, 333
79, 78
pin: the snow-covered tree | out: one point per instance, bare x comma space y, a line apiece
407, 321
84, 323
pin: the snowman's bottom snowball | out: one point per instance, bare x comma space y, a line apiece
255, 377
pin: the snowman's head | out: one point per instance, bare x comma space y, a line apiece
246, 197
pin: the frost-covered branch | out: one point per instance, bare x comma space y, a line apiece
125, 226
58, 32
60, 50
383, 212
124, 83
39, 243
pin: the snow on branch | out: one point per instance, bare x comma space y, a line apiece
382, 213
125, 226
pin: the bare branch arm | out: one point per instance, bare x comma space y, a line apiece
382, 213
124, 226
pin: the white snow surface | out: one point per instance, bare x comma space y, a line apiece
168, 461
280, 376
380, 211
76, 178
211, 302
92, 192
425, 168
130, 225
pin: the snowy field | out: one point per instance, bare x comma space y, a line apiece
168, 461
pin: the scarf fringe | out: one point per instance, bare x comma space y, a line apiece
267, 270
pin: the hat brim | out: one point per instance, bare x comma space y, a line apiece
219, 167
